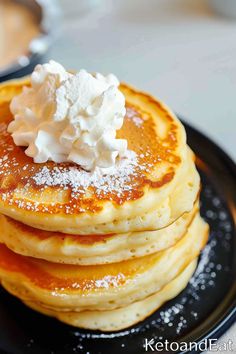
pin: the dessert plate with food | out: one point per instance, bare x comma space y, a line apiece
109, 235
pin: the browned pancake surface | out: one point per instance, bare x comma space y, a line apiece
17, 171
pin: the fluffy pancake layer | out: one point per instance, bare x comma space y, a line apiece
51, 197
90, 249
114, 320
101, 287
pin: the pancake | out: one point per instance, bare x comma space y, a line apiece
180, 201
90, 249
100, 287
124, 317
65, 198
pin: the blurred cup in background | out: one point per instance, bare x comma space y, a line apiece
224, 7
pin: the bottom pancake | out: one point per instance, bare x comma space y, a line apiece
121, 318
102, 287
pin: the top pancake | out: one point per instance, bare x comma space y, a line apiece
53, 194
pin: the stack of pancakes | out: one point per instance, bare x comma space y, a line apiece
104, 249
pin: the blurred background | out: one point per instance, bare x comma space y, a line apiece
183, 51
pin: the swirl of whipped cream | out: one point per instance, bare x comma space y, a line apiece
69, 117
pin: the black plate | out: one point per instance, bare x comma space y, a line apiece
205, 309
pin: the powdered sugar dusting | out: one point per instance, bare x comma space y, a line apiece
109, 281
132, 115
106, 282
114, 183
114, 179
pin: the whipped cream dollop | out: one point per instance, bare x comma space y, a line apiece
69, 117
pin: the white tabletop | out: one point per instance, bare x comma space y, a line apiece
175, 49
178, 50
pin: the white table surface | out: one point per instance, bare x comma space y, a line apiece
178, 50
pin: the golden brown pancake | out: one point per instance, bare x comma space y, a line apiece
74, 288
90, 249
54, 196
114, 320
